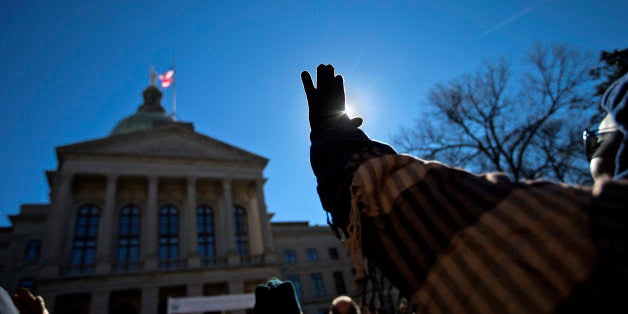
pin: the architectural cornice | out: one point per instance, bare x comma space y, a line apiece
168, 159
168, 143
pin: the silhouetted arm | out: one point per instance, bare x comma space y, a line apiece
335, 139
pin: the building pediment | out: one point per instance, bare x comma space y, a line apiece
164, 142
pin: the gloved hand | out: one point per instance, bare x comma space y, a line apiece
327, 100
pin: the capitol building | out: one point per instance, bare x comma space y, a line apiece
156, 210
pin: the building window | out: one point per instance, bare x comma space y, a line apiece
339, 282
205, 234
312, 254
32, 250
333, 253
317, 285
168, 237
296, 281
239, 224
289, 256
84, 244
128, 238
28, 283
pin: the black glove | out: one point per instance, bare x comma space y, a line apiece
326, 100
335, 138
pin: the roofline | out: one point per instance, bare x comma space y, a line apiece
64, 150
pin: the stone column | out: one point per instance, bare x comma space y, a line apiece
149, 226
267, 235
254, 227
99, 303
189, 247
227, 218
57, 232
106, 236
150, 300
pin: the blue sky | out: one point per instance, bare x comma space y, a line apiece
73, 69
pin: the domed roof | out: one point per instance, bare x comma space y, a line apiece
149, 115
141, 121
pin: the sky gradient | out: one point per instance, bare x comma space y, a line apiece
73, 69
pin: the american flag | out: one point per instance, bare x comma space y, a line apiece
167, 78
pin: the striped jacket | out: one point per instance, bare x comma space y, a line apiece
454, 242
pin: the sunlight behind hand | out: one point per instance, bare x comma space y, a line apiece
351, 110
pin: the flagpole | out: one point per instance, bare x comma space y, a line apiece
174, 91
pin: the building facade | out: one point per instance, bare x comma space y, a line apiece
157, 210
315, 262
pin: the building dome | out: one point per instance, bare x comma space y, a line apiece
149, 115
141, 121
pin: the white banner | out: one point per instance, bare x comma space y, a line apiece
214, 303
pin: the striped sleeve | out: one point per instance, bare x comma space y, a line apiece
455, 242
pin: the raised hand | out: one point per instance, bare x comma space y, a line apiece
326, 101
27, 303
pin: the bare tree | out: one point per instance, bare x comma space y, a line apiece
528, 126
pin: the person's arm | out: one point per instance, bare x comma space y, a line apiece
451, 241
615, 102
335, 140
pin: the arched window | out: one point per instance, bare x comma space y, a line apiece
128, 238
84, 244
239, 226
168, 237
205, 234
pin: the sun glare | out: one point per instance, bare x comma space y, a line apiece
350, 110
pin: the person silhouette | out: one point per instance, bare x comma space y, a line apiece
344, 305
452, 241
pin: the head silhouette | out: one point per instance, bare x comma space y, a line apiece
344, 305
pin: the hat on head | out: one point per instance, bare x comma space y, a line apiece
276, 297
